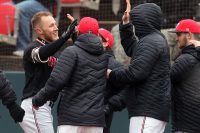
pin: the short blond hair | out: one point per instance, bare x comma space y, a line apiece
36, 19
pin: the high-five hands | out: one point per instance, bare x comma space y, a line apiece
70, 28
126, 16
71, 18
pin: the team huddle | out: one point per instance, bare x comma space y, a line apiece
91, 84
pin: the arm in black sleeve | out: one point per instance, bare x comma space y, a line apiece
140, 67
59, 77
128, 39
52, 48
6, 93
9, 99
117, 101
181, 66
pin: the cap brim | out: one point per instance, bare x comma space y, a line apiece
173, 31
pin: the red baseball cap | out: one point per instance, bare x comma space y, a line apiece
107, 36
187, 25
88, 25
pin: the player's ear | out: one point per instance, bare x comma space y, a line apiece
105, 44
189, 36
38, 30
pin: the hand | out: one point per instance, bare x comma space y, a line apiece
38, 101
74, 34
71, 18
70, 30
195, 42
108, 72
126, 16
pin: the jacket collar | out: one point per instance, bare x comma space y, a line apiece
41, 41
190, 49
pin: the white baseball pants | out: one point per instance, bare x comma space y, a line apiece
146, 125
36, 121
79, 129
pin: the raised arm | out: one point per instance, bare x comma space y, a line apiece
128, 39
140, 67
50, 49
59, 77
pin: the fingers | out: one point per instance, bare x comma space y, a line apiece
128, 6
126, 13
70, 18
125, 17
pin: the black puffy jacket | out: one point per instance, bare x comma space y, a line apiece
7, 95
115, 94
149, 70
81, 75
185, 74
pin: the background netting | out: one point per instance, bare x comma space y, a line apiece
173, 11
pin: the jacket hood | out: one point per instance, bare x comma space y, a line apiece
146, 18
190, 49
90, 43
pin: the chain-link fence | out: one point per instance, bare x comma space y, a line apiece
109, 15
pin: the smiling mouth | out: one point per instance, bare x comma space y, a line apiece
56, 34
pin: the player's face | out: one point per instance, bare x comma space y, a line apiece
181, 39
49, 28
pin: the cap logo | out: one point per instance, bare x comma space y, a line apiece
187, 29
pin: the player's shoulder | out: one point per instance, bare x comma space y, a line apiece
32, 45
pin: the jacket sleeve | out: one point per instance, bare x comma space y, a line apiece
128, 39
41, 54
140, 66
181, 65
198, 51
6, 91
117, 101
58, 78
50, 49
